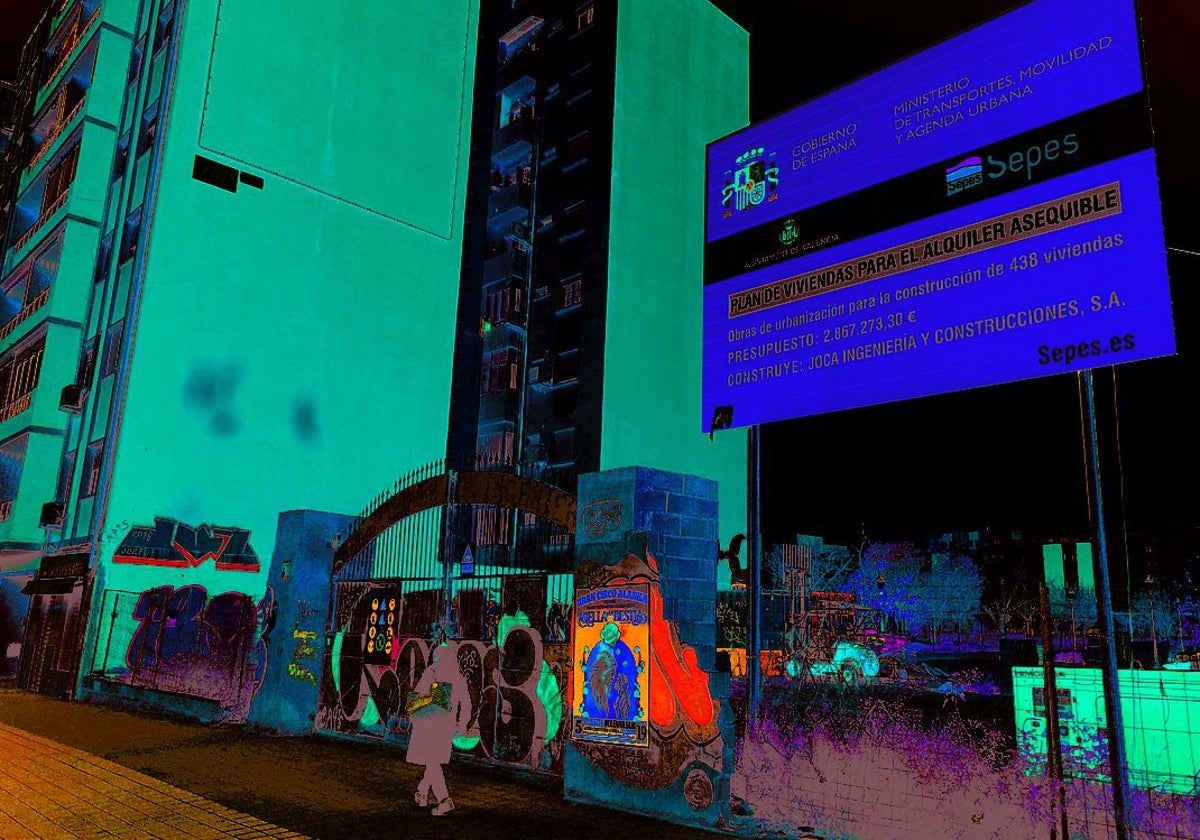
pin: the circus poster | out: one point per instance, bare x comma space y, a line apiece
611, 649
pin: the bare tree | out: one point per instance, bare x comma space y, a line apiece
1008, 603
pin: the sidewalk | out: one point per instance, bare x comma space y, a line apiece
51, 790
80, 770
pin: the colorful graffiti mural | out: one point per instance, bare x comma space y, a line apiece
684, 737
518, 688
169, 542
179, 640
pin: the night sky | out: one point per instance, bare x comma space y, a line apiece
1005, 457
17, 18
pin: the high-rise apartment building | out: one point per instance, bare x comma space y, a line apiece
280, 252
263, 319
579, 321
68, 102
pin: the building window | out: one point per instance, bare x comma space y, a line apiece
87, 365
129, 237
102, 258
112, 349
91, 469
567, 367
135, 62
66, 473
58, 182
12, 462
149, 130
563, 446
576, 152
18, 379
585, 16
121, 160
500, 372
572, 292
166, 23
505, 305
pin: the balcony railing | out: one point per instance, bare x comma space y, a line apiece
34, 304
16, 407
62, 123
70, 42
41, 220
5, 510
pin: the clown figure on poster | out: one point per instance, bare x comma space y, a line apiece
611, 642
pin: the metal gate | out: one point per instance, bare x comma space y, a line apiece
482, 561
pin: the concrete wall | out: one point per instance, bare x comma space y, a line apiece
649, 527
682, 81
291, 345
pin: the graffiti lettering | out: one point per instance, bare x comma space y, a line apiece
512, 723
171, 543
516, 697
184, 643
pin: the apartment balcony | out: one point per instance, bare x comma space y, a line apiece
74, 27
522, 37
31, 306
58, 118
47, 214
513, 143
541, 375
28, 474
501, 405
26, 291
508, 206
501, 334
16, 406
42, 203
509, 264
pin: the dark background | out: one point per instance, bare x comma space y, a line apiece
1006, 457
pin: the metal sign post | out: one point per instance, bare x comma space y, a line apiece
754, 580
1108, 664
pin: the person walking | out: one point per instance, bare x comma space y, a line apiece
437, 710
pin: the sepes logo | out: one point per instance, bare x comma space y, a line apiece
963, 175
753, 179
790, 232
970, 172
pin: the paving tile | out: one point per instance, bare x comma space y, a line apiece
49, 790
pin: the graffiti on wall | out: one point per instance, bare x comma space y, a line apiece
684, 738
518, 690
169, 542
185, 642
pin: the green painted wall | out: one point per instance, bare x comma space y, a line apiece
682, 81
372, 108
293, 344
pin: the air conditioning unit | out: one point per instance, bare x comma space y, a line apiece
71, 398
52, 515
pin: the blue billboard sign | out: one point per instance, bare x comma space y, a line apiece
982, 212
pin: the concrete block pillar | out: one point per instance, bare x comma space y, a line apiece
299, 581
638, 524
